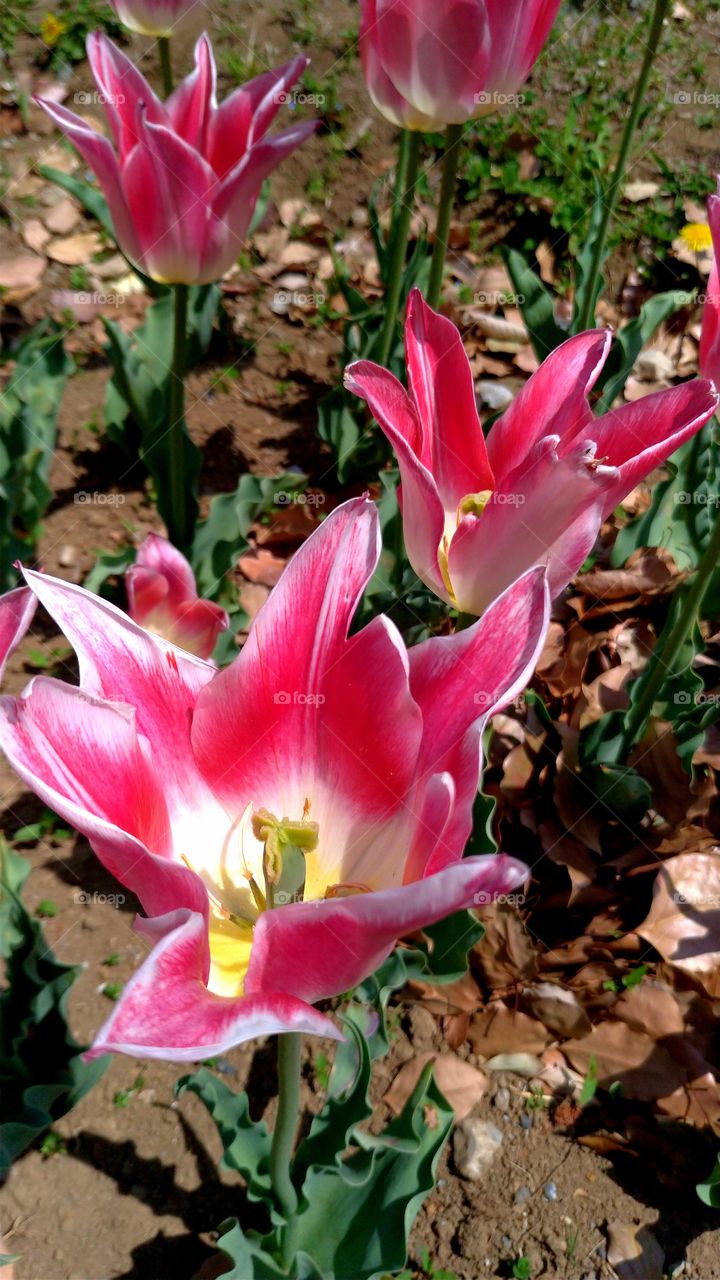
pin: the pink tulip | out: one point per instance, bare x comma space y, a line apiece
431, 63
159, 18
710, 334
370, 755
183, 176
163, 598
478, 514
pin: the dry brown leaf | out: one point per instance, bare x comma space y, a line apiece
557, 1008
463, 1085
684, 920
634, 1252
20, 276
35, 235
74, 251
506, 952
260, 565
499, 1029
62, 217
645, 1068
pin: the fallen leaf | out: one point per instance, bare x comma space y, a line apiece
634, 1252
35, 235
462, 1084
74, 251
62, 217
20, 276
499, 1029
557, 1008
260, 565
683, 923
622, 1053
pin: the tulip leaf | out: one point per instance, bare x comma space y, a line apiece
709, 1190
29, 407
42, 1071
347, 1102
584, 261
630, 340
538, 307
222, 537
252, 1256
246, 1142
355, 1218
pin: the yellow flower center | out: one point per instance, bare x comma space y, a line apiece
697, 236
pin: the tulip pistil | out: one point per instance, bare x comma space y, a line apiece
284, 842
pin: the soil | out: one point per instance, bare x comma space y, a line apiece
137, 1194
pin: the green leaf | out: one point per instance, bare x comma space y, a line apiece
347, 1102
538, 309
630, 340
355, 1219
29, 406
42, 1071
253, 1261
709, 1190
246, 1142
584, 261
222, 537
109, 564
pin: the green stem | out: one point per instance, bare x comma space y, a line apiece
664, 656
286, 1123
403, 207
400, 182
587, 316
178, 513
166, 65
453, 134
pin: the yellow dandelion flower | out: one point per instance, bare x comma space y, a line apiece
697, 236
51, 29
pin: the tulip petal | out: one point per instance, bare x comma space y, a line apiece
314, 949
121, 662
17, 609
98, 153
423, 514
162, 596
173, 187
188, 1022
709, 356
461, 680
245, 117
190, 105
122, 86
438, 56
441, 386
638, 437
525, 523
552, 402
83, 758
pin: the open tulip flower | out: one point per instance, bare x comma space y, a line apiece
282, 821
182, 177
162, 596
433, 63
478, 513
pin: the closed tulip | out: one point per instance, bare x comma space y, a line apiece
433, 63
159, 18
182, 177
162, 596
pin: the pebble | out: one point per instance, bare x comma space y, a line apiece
550, 1191
526, 1120
507, 1242
476, 1143
494, 394
502, 1099
522, 1194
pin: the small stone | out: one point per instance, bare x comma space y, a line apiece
522, 1194
550, 1191
502, 1099
507, 1242
67, 556
494, 395
526, 1120
476, 1143
653, 366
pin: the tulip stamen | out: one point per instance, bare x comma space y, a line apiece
283, 840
